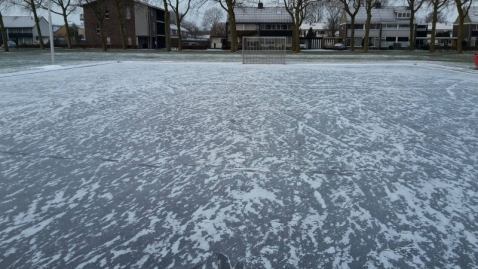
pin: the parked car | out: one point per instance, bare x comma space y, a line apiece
340, 46
303, 45
11, 44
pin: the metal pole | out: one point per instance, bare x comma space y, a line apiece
52, 50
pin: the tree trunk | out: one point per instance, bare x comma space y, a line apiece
68, 38
4, 34
167, 27
352, 32
102, 35
367, 25
411, 39
296, 37
232, 27
121, 24
40, 37
434, 26
459, 41
180, 38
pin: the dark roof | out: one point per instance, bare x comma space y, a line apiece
381, 15
264, 15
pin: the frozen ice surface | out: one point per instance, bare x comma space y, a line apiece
163, 164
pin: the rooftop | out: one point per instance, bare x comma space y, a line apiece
381, 15
20, 21
262, 15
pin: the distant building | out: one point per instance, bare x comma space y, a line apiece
470, 27
389, 26
144, 26
23, 30
319, 29
262, 21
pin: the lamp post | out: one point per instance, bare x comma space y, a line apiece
52, 50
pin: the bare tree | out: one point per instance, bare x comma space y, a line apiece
192, 28
218, 29
297, 10
369, 5
351, 7
315, 12
462, 6
229, 6
212, 16
334, 12
441, 18
167, 26
180, 14
4, 4
413, 6
31, 5
436, 16
99, 9
66, 8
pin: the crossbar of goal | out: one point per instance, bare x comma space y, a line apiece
263, 50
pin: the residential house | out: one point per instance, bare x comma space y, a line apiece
217, 36
470, 27
315, 40
144, 25
389, 26
60, 35
443, 35
263, 22
23, 30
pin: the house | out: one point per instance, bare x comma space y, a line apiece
318, 32
263, 22
389, 26
470, 28
319, 29
144, 25
23, 30
217, 36
443, 35
60, 35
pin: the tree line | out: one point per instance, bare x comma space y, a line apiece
299, 11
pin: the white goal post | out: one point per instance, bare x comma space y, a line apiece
263, 50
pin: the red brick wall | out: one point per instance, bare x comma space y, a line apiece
111, 26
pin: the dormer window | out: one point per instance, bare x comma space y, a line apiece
403, 15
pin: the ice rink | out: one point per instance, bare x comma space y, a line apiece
164, 164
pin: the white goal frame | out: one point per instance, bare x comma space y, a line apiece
263, 50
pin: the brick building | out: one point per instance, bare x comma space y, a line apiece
143, 24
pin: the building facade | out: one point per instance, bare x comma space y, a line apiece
143, 25
389, 26
263, 22
470, 28
23, 30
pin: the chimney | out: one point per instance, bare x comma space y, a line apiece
378, 5
260, 5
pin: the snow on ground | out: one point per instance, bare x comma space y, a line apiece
163, 164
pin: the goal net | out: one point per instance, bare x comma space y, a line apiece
263, 50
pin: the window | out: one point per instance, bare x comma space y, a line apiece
403, 15
127, 13
403, 27
374, 26
107, 13
390, 39
391, 26
289, 27
268, 27
263, 27
284, 27
129, 41
403, 39
108, 41
358, 26
97, 28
